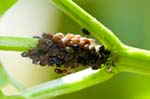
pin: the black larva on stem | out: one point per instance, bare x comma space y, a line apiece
67, 52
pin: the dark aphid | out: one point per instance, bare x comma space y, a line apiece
92, 48
107, 52
65, 72
69, 50
53, 51
45, 35
101, 49
83, 61
24, 54
75, 46
68, 57
85, 31
95, 67
82, 54
42, 47
43, 63
29, 53
37, 37
61, 55
58, 61
51, 62
43, 60
58, 71
104, 51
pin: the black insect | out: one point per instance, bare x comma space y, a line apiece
60, 71
85, 31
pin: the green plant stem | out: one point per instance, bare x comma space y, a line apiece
68, 84
134, 60
16, 43
97, 29
12, 97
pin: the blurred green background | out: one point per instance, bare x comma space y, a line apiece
130, 21
5, 4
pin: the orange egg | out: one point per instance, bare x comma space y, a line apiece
82, 43
66, 41
60, 35
77, 36
84, 39
69, 35
75, 40
56, 38
92, 41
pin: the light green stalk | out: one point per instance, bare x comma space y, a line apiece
16, 43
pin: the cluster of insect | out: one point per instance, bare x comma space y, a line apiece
67, 52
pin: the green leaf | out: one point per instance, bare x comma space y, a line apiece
5, 5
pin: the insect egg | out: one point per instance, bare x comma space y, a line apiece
82, 43
56, 38
75, 40
60, 35
77, 36
91, 41
86, 46
65, 41
84, 39
69, 35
